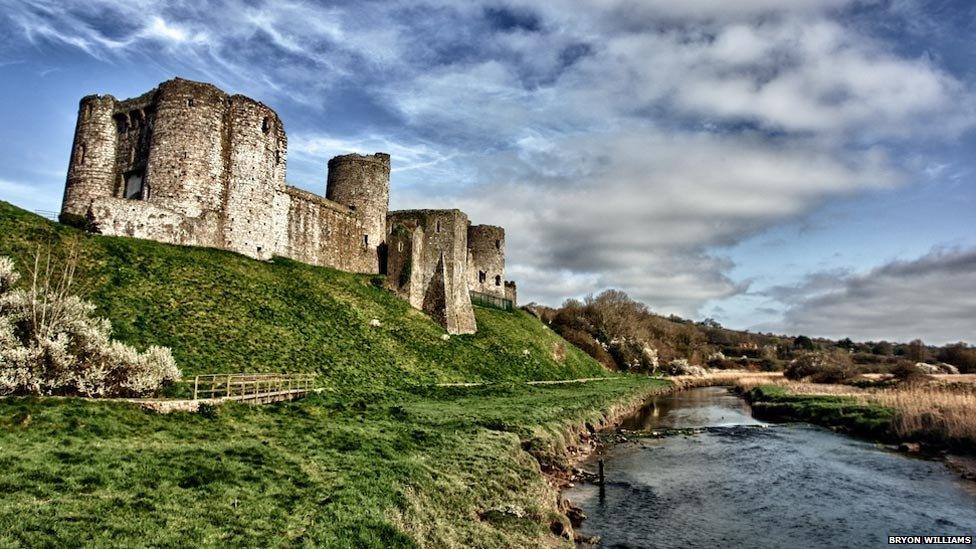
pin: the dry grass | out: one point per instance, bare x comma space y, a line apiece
931, 410
727, 377
943, 408
746, 383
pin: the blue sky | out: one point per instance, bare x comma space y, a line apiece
803, 167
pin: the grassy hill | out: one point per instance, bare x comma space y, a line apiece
380, 459
221, 312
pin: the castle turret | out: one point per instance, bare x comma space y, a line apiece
486, 259
91, 170
362, 182
187, 165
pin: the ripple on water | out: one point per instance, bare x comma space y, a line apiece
781, 486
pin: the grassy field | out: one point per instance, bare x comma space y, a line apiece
380, 458
442, 469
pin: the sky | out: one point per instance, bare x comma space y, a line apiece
795, 167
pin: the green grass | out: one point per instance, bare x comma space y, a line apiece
322, 471
380, 459
841, 412
221, 312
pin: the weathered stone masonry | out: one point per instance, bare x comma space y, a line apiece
189, 164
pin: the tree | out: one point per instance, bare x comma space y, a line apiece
846, 343
803, 342
960, 355
916, 351
883, 348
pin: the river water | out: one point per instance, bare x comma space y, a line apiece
744, 483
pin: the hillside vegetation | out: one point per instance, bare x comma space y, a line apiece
220, 312
624, 334
382, 458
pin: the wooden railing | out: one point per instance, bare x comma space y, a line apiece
487, 300
251, 386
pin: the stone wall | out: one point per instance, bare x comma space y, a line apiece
437, 262
404, 237
185, 149
91, 168
141, 219
187, 167
321, 232
486, 259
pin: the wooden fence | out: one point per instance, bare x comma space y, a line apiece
486, 300
252, 387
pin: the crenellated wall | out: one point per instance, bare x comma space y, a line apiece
511, 292
188, 164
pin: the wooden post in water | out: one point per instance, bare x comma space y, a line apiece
600, 468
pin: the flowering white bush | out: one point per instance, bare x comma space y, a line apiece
51, 344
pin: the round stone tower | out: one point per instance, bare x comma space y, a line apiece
362, 182
91, 170
187, 166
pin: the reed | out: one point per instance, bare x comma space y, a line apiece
930, 411
942, 409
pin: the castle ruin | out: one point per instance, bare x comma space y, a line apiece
189, 164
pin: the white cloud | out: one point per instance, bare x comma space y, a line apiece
160, 29
932, 298
617, 140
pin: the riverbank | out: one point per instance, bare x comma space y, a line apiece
588, 437
439, 467
934, 417
726, 479
381, 457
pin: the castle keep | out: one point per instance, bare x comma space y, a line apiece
188, 164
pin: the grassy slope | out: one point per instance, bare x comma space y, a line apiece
222, 312
841, 412
381, 459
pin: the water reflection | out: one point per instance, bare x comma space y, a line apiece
704, 407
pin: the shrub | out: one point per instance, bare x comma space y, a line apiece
803, 342
961, 356
723, 364
770, 365
909, 372
821, 367
51, 344
589, 345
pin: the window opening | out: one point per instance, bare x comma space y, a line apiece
135, 186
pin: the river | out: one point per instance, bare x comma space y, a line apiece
745, 483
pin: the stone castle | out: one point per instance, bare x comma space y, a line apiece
189, 164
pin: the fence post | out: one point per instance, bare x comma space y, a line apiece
196, 385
